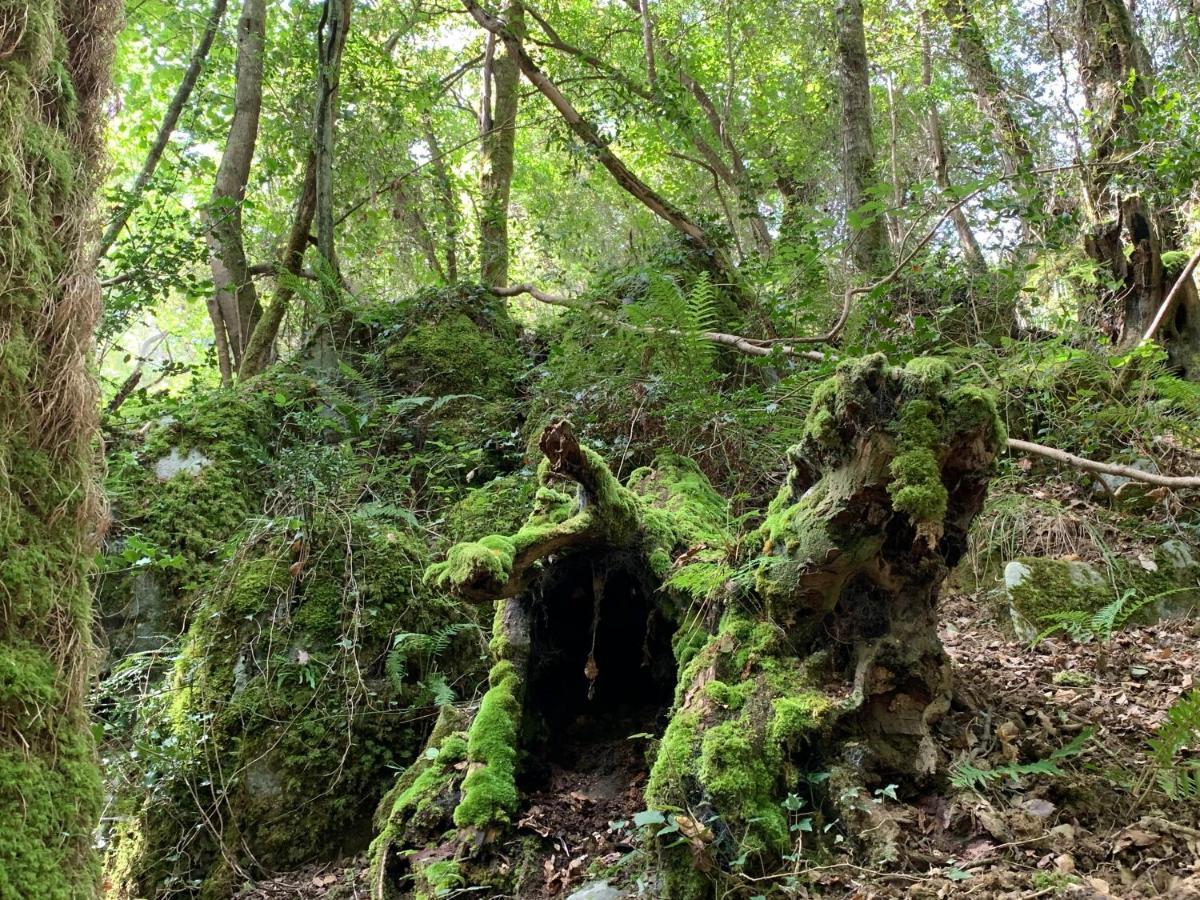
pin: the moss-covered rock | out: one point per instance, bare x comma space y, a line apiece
291, 700
1040, 590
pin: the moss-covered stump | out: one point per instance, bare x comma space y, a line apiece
587, 533
828, 662
1042, 592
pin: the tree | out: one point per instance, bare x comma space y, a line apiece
234, 307
54, 67
498, 132
868, 249
830, 643
182, 94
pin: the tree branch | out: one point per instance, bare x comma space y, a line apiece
1090, 465
637, 188
170, 120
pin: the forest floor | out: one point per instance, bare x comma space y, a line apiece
1072, 835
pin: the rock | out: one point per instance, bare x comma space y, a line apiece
1175, 554
262, 781
597, 890
1037, 587
1112, 483
173, 464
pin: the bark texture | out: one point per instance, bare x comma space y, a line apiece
868, 251
54, 76
234, 307
499, 133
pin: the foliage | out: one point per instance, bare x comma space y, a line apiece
1178, 776
967, 777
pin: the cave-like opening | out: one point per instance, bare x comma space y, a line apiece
601, 669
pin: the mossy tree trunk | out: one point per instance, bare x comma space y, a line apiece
830, 661
498, 132
825, 658
54, 59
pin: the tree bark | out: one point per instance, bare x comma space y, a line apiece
991, 94
867, 251
331, 41
260, 349
234, 307
498, 139
1110, 51
54, 66
972, 255
449, 200
182, 94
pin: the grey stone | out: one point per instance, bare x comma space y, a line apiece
262, 781
1175, 554
174, 464
597, 890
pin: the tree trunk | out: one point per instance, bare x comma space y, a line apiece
449, 200
178, 102
1127, 237
498, 138
234, 307
972, 255
291, 262
867, 250
820, 654
1110, 51
260, 349
54, 68
335, 25
991, 94
584, 130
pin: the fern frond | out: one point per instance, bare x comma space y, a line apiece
967, 777
1178, 779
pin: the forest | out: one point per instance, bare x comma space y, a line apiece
599, 449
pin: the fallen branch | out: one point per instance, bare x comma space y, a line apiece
1090, 465
749, 346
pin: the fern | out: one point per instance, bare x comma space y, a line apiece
967, 777
423, 648
1178, 779
702, 305
1083, 626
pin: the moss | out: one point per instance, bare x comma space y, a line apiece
50, 790
916, 487
1173, 262
441, 877
474, 561
501, 505
735, 773
795, 717
1038, 588
490, 790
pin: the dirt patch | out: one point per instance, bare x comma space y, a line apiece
580, 805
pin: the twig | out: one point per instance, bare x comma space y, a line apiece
1090, 465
